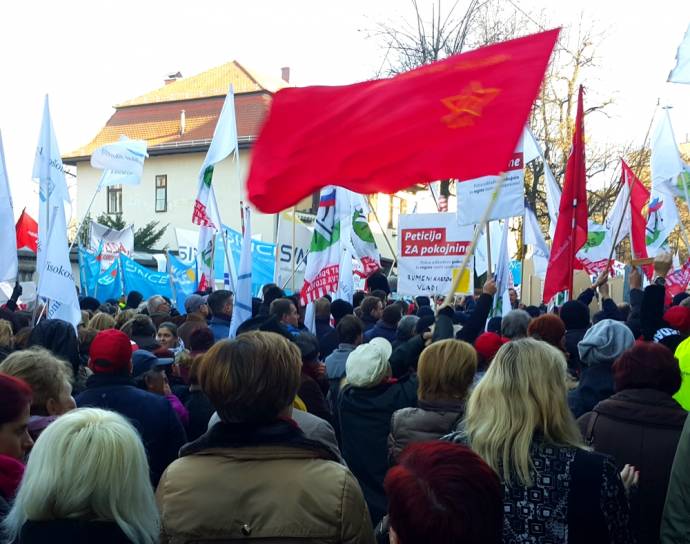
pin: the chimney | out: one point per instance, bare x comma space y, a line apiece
183, 122
172, 78
285, 74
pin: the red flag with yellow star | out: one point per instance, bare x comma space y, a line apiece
456, 118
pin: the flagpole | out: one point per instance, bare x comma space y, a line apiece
620, 222
88, 210
433, 195
523, 247
294, 236
488, 250
300, 263
470, 251
385, 236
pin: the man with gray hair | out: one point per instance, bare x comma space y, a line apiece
514, 324
157, 305
406, 329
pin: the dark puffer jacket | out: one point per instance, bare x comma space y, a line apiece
640, 427
428, 421
72, 530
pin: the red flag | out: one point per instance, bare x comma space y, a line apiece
457, 118
571, 227
27, 232
639, 197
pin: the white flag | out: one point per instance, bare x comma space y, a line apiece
223, 143
534, 238
56, 281
8, 242
681, 73
666, 166
481, 261
52, 188
503, 275
532, 150
109, 243
122, 162
242, 310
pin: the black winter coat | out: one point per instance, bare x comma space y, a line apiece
152, 415
365, 417
72, 531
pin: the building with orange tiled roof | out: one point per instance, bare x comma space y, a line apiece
177, 121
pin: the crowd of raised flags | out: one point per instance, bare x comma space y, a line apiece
342, 244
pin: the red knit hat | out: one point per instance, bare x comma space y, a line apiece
488, 343
678, 317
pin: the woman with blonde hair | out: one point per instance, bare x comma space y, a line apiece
518, 421
101, 321
445, 372
6, 338
50, 380
87, 480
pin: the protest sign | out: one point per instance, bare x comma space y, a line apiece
109, 243
287, 253
474, 195
431, 247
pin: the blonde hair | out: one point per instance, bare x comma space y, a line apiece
47, 375
446, 370
123, 317
6, 334
522, 393
251, 378
101, 321
89, 464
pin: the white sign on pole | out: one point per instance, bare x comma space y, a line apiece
286, 253
431, 248
110, 243
474, 195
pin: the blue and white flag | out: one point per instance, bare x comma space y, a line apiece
242, 310
8, 242
89, 270
184, 280
504, 278
263, 258
148, 282
109, 283
52, 188
122, 162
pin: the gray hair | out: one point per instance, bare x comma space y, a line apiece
154, 303
514, 324
406, 327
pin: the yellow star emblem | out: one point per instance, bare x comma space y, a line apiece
467, 105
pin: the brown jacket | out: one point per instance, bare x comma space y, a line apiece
269, 485
427, 421
640, 427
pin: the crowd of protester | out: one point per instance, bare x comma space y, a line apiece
400, 420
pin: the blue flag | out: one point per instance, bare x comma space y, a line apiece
263, 256
184, 279
147, 282
109, 284
89, 270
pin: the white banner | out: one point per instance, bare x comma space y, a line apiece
123, 160
8, 243
286, 253
430, 247
109, 243
474, 195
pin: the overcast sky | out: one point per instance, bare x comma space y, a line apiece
90, 55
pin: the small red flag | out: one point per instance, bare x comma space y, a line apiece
460, 118
571, 227
27, 232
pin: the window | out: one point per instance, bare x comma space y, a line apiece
114, 196
162, 193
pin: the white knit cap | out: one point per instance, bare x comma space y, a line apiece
368, 365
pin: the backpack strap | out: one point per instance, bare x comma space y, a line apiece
589, 432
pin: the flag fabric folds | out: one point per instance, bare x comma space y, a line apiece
639, 197
242, 310
677, 281
184, 280
8, 244
504, 276
26, 231
139, 278
323, 262
681, 72
459, 118
122, 162
571, 228
534, 238
666, 166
